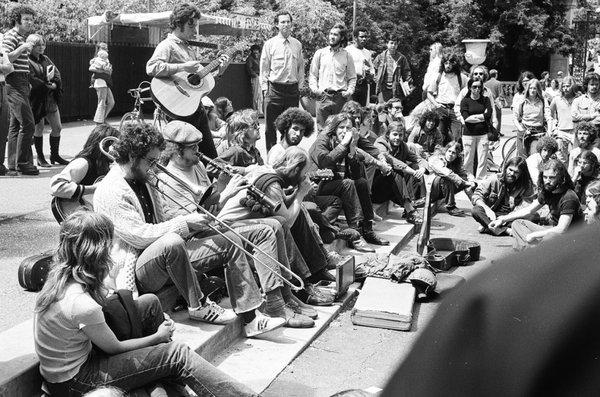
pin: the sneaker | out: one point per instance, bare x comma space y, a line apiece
360, 245
301, 308
313, 296
212, 313
262, 324
454, 211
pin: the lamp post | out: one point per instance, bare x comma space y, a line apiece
475, 50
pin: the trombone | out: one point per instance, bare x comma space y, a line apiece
154, 184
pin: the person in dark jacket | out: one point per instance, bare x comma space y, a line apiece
407, 171
253, 71
45, 96
393, 69
525, 326
340, 148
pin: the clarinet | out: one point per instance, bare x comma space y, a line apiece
265, 200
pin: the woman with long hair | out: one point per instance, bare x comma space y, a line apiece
45, 96
79, 352
426, 137
80, 176
451, 177
519, 94
476, 111
531, 117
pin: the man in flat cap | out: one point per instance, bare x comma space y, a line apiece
151, 250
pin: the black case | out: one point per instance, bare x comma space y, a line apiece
33, 271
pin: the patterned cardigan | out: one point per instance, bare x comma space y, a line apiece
115, 199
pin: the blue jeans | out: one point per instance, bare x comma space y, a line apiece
166, 362
22, 125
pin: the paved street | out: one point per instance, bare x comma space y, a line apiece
344, 356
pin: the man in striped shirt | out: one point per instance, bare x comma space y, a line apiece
22, 125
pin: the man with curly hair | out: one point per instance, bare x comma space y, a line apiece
546, 149
151, 251
22, 125
293, 125
174, 54
586, 133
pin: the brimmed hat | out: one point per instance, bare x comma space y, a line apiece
181, 132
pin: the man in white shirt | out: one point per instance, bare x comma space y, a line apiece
363, 65
281, 70
443, 93
332, 74
587, 107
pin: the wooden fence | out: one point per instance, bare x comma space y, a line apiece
129, 66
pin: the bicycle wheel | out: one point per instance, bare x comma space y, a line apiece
129, 117
509, 150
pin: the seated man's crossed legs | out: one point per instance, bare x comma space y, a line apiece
394, 187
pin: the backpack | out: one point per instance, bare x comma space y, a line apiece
439, 78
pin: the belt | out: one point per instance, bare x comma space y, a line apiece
330, 91
284, 84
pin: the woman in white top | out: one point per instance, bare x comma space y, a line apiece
69, 319
102, 70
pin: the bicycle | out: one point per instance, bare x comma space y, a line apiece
159, 118
509, 147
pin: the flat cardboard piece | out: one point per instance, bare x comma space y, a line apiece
384, 304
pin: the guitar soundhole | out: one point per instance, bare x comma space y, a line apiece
194, 79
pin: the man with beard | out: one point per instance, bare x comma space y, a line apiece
340, 148
293, 125
362, 64
587, 107
174, 55
332, 74
22, 125
443, 93
557, 193
281, 70
181, 156
393, 70
398, 185
276, 181
499, 195
586, 133
150, 252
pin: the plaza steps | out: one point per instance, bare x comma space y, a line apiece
255, 362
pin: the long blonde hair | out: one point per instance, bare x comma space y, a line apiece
294, 157
82, 256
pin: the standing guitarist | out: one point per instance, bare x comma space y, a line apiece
174, 54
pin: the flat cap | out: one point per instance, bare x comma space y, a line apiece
181, 132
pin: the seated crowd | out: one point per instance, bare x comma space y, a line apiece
150, 231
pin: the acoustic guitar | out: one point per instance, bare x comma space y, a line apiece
181, 93
63, 207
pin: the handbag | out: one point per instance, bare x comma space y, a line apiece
121, 315
493, 135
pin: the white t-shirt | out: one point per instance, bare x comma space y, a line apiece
360, 57
275, 153
60, 343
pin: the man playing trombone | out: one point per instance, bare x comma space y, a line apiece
149, 251
266, 237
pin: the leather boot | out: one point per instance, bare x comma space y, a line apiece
38, 142
54, 156
370, 236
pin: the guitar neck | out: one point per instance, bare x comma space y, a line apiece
215, 64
